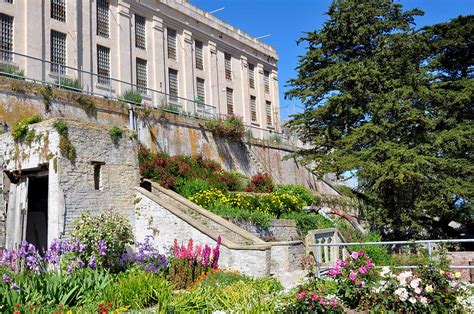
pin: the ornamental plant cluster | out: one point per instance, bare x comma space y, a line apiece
84, 275
356, 284
231, 127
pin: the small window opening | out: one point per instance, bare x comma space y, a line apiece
97, 175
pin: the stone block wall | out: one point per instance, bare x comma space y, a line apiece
279, 229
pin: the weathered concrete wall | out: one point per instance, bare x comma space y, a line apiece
71, 188
160, 131
279, 229
286, 257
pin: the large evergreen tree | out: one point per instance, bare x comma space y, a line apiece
394, 105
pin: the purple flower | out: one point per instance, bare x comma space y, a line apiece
334, 271
102, 247
6, 278
92, 264
353, 275
361, 253
14, 286
362, 270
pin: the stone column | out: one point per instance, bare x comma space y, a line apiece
123, 59
188, 70
158, 70
214, 76
275, 100
245, 97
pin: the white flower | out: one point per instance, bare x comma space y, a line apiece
429, 288
415, 283
423, 300
412, 300
402, 293
417, 290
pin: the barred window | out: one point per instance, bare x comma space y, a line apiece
266, 81
58, 52
253, 108
6, 37
199, 54
58, 10
142, 80
230, 100
103, 18
251, 75
268, 111
200, 88
103, 65
173, 87
228, 66
9, 1
171, 35
140, 38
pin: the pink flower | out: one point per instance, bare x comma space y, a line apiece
301, 295
353, 275
362, 284
354, 255
362, 270
334, 271
338, 262
334, 303
344, 264
314, 296
369, 264
361, 253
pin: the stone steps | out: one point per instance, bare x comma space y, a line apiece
225, 228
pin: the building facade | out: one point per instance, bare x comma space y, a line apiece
170, 51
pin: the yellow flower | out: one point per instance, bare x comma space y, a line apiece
457, 274
441, 272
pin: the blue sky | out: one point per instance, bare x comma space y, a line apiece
287, 20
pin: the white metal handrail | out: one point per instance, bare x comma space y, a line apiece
321, 246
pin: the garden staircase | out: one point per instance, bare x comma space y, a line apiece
227, 230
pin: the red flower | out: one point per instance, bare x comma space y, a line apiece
16, 312
31, 307
17, 305
101, 306
109, 304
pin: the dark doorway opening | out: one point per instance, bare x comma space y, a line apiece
37, 217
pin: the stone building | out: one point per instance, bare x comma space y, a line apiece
44, 190
170, 51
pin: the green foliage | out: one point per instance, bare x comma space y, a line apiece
65, 146
87, 105
259, 218
82, 287
71, 84
61, 128
48, 94
304, 194
256, 296
113, 228
131, 96
275, 138
230, 127
20, 129
308, 221
115, 133
375, 105
220, 278
193, 186
10, 70
138, 290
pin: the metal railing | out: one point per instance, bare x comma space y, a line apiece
328, 248
45, 72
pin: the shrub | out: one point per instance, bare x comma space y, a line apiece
131, 96
115, 133
308, 221
106, 236
48, 95
304, 194
219, 278
261, 183
259, 218
275, 138
20, 129
307, 301
230, 127
70, 84
193, 186
10, 70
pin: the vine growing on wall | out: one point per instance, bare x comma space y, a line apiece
21, 131
65, 146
